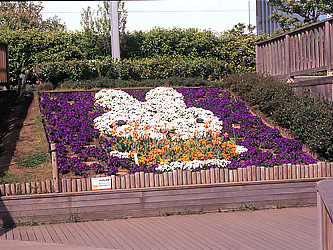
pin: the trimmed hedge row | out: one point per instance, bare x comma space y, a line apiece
309, 119
135, 69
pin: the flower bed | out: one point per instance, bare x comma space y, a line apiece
191, 128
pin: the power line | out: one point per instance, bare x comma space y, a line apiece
151, 11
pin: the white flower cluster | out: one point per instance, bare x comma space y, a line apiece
164, 109
120, 154
190, 165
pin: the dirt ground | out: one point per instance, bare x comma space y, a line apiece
22, 135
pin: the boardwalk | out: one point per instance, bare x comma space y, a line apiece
288, 228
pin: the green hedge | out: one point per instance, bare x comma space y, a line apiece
126, 69
309, 119
235, 49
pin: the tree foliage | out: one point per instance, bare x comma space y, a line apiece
98, 21
308, 11
26, 15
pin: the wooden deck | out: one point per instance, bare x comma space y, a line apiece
287, 228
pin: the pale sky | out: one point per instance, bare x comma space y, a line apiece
216, 15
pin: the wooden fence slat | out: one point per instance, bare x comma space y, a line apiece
74, 188
170, 176
254, 173
166, 179
122, 182
7, 189
49, 188
276, 173
231, 175
142, 180
212, 175
151, 180
267, 174
226, 175
89, 186
175, 177
320, 169
194, 178
18, 189
161, 180
280, 172
69, 185
113, 182
198, 177
118, 182
294, 171
331, 167
180, 177
33, 187
307, 172
156, 180
328, 170
240, 174
315, 171
43, 183
12, 189
311, 170
258, 172
249, 173
208, 177
244, 170
128, 181
285, 171
262, 173
79, 185
146, 180
23, 189
189, 177
235, 172
289, 166
38, 187
302, 171
203, 176
185, 177
222, 175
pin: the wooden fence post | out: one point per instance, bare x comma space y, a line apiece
54, 168
328, 48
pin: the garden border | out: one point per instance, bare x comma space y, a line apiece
157, 201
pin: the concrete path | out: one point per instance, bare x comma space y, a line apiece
287, 228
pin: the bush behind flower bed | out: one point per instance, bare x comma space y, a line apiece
309, 119
131, 69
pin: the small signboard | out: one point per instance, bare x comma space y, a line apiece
102, 183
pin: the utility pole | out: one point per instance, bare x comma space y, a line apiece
115, 46
249, 13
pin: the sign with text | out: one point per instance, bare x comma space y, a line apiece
102, 183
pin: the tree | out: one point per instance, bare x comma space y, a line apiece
98, 21
17, 15
308, 12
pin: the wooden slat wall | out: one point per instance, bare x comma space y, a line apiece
176, 177
155, 201
309, 50
4, 63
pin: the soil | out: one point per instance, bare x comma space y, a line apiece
21, 136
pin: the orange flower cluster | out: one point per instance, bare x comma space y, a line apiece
152, 151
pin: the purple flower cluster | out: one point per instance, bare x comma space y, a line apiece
266, 146
69, 123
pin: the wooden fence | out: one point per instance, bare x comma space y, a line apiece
325, 213
302, 51
4, 65
176, 178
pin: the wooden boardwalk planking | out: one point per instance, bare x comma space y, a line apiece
287, 228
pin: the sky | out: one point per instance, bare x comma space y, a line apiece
216, 15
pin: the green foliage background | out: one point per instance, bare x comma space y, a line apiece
158, 53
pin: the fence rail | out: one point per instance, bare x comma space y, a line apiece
176, 178
302, 51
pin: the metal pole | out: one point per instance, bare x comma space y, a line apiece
115, 46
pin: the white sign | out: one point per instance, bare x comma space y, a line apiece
102, 183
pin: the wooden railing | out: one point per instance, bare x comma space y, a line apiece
325, 213
176, 178
302, 51
4, 65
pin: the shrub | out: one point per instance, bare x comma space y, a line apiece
131, 69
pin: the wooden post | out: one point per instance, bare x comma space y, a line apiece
54, 168
327, 48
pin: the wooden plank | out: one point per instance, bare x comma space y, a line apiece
128, 181
285, 171
222, 175
280, 172
43, 186
113, 183
231, 175
89, 186
307, 171
189, 177
122, 182
262, 173
33, 187
298, 171
118, 182
226, 175
175, 177
180, 177
258, 177
166, 178
328, 170
55, 174
212, 175
321, 46
327, 47
161, 180
69, 185
267, 172
185, 177
156, 180
142, 180
194, 178
316, 48
302, 171
254, 173
151, 180
203, 176
170, 177
311, 170
48, 184
276, 172
240, 174
249, 173
245, 170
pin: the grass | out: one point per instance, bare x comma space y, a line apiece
31, 161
